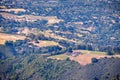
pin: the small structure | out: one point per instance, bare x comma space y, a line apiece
76, 53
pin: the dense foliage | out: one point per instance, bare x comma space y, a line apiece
39, 67
86, 25
99, 20
36, 67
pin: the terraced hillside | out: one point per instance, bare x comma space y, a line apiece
94, 23
59, 39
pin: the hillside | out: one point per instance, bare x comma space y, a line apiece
36, 67
59, 40
94, 23
94, 71
8, 37
41, 68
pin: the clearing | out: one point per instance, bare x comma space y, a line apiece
85, 57
43, 43
92, 52
6, 37
31, 18
59, 57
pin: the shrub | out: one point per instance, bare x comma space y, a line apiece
94, 60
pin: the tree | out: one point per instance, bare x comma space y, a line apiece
36, 41
96, 78
89, 47
44, 22
109, 53
67, 59
94, 60
9, 43
81, 46
70, 49
32, 36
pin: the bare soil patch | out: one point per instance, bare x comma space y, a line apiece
85, 59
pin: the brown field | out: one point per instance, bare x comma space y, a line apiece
86, 56
85, 59
15, 10
31, 18
2, 7
6, 37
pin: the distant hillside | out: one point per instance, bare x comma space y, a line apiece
6, 52
94, 23
104, 69
37, 36
36, 67
41, 68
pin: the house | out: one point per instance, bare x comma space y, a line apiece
76, 53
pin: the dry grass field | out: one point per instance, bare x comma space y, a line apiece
45, 43
29, 18
6, 37
59, 57
85, 57
92, 52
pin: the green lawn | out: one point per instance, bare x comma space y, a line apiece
93, 52
61, 57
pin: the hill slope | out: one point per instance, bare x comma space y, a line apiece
41, 68
94, 23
